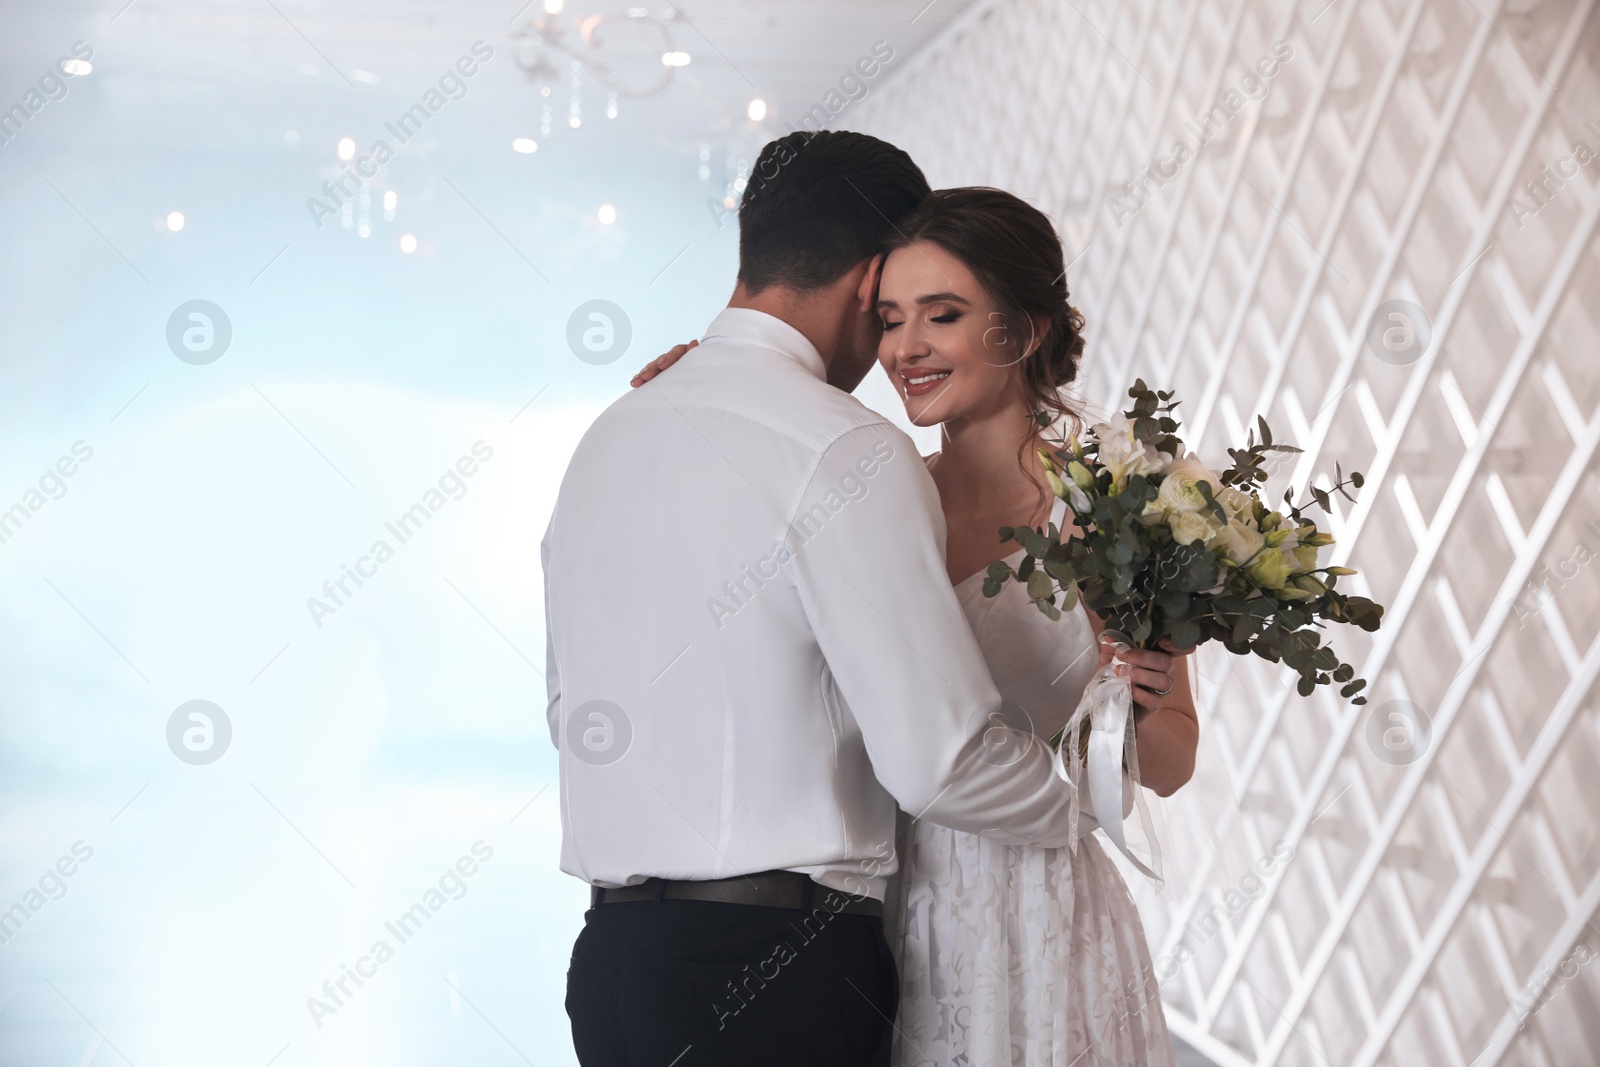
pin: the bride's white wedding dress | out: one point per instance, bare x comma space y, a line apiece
1012, 955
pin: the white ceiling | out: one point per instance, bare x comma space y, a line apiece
244, 69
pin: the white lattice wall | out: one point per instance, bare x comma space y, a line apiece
1439, 905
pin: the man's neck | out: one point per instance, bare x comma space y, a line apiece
810, 314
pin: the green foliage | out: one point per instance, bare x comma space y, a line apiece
1137, 577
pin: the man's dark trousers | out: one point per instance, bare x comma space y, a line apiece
691, 983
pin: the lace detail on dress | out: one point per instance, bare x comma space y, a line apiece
1019, 957
1013, 956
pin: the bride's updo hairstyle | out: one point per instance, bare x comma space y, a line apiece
1013, 250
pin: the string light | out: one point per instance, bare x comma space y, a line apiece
575, 104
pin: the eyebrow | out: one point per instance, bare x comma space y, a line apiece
931, 298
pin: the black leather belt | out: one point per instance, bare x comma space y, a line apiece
767, 889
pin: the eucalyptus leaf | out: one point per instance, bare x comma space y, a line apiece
1139, 578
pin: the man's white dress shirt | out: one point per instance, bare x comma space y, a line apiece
754, 649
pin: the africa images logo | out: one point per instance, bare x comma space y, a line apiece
741, 589
53, 85
452, 86
403, 528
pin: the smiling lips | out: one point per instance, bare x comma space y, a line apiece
923, 381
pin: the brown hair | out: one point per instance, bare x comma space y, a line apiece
1013, 250
820, 202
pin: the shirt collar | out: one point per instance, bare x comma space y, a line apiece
770, 332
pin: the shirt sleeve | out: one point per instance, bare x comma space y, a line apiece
868, 546
552, 676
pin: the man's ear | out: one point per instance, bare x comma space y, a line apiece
867, 292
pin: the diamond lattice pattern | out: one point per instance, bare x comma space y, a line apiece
1433, 900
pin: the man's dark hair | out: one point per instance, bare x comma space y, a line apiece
818, 203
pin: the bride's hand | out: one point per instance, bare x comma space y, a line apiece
661, 363
1153, 672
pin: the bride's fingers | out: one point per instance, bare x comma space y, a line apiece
1144, 702
649, 370
1148, 659
1108, 649
661, 363
1150, 687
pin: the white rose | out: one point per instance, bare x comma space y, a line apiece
1180, 489
1191, 526
1238, 541
1180, 503
1238, 504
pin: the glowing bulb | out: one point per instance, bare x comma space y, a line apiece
574, 121
365, 230
526, 145
757, 110
553, 7
675, 59
347, 148
390, 199
408, 243
175, 221
77, 68
607, 214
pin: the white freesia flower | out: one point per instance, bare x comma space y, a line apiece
1123, 454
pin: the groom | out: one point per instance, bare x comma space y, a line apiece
755, 652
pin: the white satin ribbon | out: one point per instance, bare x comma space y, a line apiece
1107, 705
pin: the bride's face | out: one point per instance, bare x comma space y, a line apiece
945, 345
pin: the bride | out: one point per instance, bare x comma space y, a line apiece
1014, 955
1010, 954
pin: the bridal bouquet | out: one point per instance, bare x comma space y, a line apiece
1169, 548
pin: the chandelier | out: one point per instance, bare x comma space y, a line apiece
547, 40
